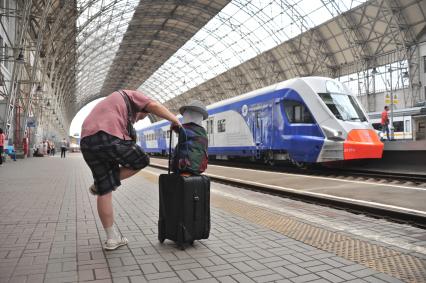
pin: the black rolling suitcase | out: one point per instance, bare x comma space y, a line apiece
184, 207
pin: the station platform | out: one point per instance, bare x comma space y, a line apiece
50, 232
405, 145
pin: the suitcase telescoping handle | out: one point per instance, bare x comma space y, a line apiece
170, 151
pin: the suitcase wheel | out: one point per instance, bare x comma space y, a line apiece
161, 232
161, 238
191, 243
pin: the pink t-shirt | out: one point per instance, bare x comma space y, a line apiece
110, 115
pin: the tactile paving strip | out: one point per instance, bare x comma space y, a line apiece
383, 259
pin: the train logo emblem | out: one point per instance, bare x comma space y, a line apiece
244, 110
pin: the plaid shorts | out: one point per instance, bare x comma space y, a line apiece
104, 153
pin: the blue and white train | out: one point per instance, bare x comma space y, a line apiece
304, 120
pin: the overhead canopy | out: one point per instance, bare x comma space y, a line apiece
374, 33
129, 41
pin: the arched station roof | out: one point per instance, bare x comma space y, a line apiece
213, 49
353, 40
129, 40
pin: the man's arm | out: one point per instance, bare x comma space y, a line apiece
158, 109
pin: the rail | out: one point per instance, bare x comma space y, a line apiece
355, 206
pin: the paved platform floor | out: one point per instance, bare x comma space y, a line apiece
50, 232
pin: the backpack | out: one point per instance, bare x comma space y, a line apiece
190, 155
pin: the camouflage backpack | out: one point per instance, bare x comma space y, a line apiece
190, 155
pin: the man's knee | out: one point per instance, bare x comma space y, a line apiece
143, 162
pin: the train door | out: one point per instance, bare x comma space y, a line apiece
257, 129
258, 124
303, 137
210, 130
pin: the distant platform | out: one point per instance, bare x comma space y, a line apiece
406, 145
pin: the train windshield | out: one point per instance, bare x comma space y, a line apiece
343, 106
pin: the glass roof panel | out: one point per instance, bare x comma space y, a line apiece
101, 25
241, 31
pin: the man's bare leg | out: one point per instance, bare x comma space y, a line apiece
106, 214
126, 172
105, 211
104, 202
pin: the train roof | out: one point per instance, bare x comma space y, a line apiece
400, 112
317, 83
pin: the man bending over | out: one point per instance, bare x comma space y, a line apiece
111, 153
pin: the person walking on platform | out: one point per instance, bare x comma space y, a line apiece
385, 122
63, 147
52, 150
108, 145
2, 141
44, 147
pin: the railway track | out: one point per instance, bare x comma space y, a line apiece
354, 206
334, 172
395, 178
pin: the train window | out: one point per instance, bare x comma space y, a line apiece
343, 106
221, 126
210, 126
398, 126
297, 112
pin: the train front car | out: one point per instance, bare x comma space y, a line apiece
347, 132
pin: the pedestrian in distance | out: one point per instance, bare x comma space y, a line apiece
108, 145
52, 150
2, 141
44, 147
49, 146
385, 122
63, 147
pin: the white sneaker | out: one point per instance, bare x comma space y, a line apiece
113, 244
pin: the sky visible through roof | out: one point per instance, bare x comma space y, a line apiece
241, 31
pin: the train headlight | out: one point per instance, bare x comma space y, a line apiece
332, 134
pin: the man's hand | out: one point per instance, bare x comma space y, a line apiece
175, 126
